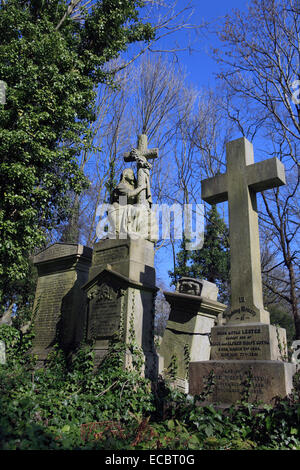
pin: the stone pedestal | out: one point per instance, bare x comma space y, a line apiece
267, 379
241, 353
59, 306
194, 311
121, 293
131, 258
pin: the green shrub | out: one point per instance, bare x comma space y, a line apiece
70, 405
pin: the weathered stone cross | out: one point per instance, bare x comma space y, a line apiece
141, 156
239, 185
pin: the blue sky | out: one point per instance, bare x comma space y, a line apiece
200, 69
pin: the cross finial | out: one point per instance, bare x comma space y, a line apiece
141, 150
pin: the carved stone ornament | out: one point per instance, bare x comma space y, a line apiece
105, 292
93, 292
187, 285
241, 314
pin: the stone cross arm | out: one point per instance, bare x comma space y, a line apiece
266, 175
142, 149
148, 154
259, 177
214, 190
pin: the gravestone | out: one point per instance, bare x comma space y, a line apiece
60, 304
2, 353
124, 308
121, 285
194, 311
247, 346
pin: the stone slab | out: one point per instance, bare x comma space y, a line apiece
119, 305
253, 341
131, 258
187, 342
269, 379
62, 250
179, 301
105, 295
60, 304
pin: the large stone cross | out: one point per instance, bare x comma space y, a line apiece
141, 156
239, 185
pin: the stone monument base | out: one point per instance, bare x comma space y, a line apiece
194, 311
267, 379
121, 293
59, 305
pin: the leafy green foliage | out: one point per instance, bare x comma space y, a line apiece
45, 408
17, 344
74, 406
51, 69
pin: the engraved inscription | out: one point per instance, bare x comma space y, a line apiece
56, 251
110, 255
231, 381
50, 292
104, 319
104, 311
241, 314
240, 343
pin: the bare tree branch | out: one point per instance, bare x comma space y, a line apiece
71, 7
261, 62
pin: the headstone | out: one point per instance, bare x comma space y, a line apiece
194, 311
124, 307
247, 346
60, 304
2, 353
